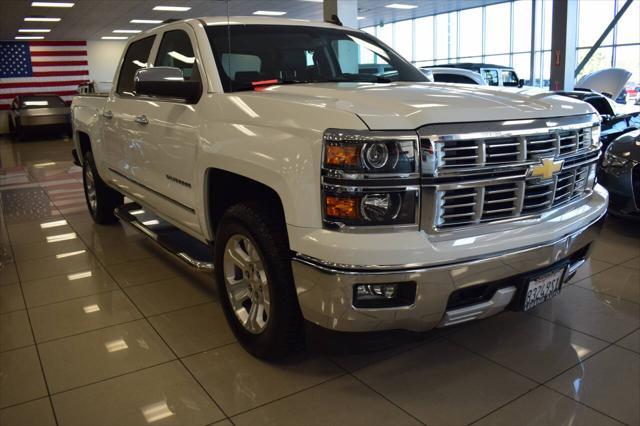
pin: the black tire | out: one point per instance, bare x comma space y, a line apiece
19, 131
284, 330
101, 199
12, 128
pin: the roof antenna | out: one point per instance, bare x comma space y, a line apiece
335, 20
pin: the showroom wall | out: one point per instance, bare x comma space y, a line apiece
102, 56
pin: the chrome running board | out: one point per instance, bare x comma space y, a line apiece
497, 303
164, 239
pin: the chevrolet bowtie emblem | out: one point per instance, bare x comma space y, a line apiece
547, 169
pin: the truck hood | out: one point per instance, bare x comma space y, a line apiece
403, 105
609, 81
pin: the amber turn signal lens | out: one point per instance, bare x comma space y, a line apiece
341, 155
341, 207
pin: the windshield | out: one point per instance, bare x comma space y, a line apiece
299, 54
41, 102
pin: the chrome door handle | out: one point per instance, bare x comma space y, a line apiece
141, 119
107, 114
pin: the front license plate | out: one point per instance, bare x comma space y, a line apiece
542, 288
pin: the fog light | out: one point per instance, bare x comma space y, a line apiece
377, 290
388, 295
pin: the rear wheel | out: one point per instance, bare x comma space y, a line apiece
255, 282
101, 199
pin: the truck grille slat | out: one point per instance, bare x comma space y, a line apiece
458, 153
489, 202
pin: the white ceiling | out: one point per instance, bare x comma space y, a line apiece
92, 19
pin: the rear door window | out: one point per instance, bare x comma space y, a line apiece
136, 57
491, 76
452, 78
176, 51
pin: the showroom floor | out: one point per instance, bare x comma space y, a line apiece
99, 327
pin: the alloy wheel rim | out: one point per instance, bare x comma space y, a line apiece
90, 187
246, 283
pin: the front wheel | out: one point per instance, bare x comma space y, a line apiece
101, 199
255, 282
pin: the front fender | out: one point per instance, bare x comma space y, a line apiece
275, 143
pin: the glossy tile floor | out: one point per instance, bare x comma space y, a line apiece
98, 327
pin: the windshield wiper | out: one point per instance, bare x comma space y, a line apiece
357, 79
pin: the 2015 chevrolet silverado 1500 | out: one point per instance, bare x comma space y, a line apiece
356, 201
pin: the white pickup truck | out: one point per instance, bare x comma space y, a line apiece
351, 200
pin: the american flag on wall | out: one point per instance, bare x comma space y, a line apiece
38, 67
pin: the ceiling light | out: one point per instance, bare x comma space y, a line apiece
401, 6
51, 4
269, 13
114, 38
146, 21
172, 8
127, 31
360, 18
34, 30
40, 19
29, 38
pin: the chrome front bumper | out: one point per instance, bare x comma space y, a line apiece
325, 291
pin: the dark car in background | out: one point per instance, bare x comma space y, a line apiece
31, 114
620, 174
616, 119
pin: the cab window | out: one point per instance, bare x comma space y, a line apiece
491, 76
136, 57
509, 78
176, 51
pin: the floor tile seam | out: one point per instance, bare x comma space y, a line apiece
582, 403
55, 339
567, 327
582, 361
116, 376
111, 290
395, 355
33, 335
538, 386
492, 361
163, 340
389, 400
611, 295
280, 398
4, 351
209, 349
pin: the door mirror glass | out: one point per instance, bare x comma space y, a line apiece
166, 82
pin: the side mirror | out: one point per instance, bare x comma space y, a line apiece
521, 82
166, 82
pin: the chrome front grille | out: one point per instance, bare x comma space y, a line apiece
501, 150
479, 173
492, 202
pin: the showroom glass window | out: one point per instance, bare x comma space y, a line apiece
136, 57
176, 51
297, 54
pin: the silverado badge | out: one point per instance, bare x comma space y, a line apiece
547, 169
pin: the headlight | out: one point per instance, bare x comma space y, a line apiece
370, 152
359, 208
370, 178
595, 135
612, 160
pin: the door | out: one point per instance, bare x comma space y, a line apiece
163, 156
121, 133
